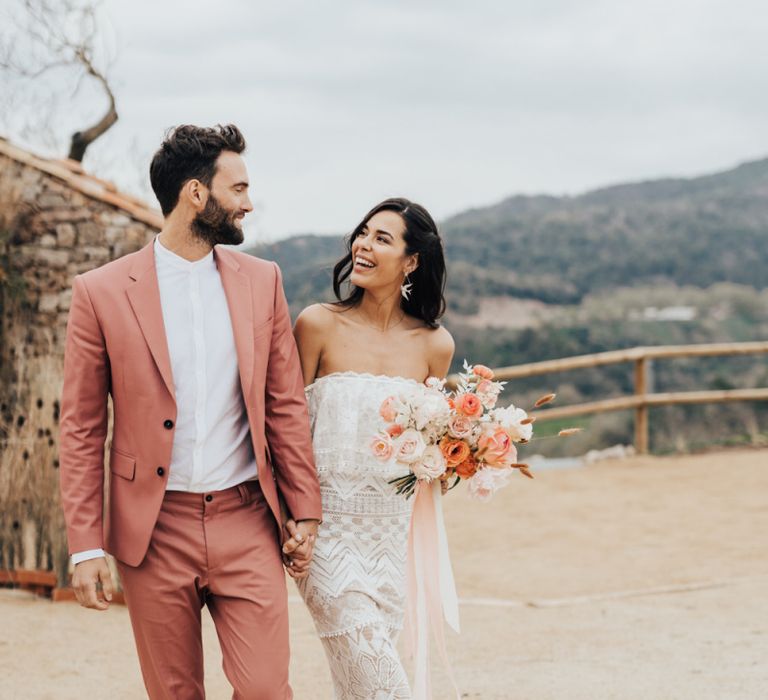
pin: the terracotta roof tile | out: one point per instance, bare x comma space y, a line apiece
72, 173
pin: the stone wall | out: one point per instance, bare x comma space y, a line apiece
50, 231
55, 233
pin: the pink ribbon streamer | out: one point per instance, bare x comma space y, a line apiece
431, 589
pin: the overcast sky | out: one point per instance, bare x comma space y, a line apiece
453, 104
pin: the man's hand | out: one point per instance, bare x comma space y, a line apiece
88, 575
298, 548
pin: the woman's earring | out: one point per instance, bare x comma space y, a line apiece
405, 288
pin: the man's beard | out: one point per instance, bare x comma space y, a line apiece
216, 225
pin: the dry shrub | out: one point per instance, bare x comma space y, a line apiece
32, 530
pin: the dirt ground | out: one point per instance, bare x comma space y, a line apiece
639, 579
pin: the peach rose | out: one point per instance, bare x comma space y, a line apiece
484, 387
409, 446
387, 410
454, 451
495, 447
460, 426
482, 371
381, 446
467, 468
488, 392
469, 404
394, 430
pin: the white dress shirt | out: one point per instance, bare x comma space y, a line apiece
212, 448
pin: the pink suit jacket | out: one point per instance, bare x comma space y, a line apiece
116, 345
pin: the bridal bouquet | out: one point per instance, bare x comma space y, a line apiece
458, 435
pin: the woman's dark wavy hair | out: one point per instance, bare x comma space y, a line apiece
427, 300
190, 153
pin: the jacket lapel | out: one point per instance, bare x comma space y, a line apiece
237, 288
144, 297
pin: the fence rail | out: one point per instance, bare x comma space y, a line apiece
641, 400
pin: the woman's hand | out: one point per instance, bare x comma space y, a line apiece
298, 546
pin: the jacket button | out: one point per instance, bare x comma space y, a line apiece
168, 424
160, 471
209, 498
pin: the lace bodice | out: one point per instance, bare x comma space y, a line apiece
344, 417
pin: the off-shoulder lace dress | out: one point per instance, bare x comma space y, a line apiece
356, 586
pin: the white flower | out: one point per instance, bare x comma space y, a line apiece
435, 383
431, 465
510, 418
409, 447
486, 481
430, 408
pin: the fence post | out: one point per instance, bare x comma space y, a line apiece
641, 412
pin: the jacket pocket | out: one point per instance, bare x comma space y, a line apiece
122, 464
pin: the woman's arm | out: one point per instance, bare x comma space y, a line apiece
309, 331
441, 349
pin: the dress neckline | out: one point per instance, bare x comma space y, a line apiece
361, 375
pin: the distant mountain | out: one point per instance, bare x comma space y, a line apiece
560, 276
696, 232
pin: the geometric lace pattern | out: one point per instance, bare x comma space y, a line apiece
355, 590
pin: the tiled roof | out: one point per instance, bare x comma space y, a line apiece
72, 173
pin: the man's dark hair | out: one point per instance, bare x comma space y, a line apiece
189, 153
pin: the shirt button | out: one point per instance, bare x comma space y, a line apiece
160, 471
209, 498
168, 424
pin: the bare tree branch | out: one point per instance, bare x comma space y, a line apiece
59, 34
82, 139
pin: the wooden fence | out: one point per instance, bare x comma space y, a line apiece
641, 400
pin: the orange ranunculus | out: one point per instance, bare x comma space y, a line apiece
469, 404
454, 451
496, 448
482, 371
394, 430
467, 468
451, 404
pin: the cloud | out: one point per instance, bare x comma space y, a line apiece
453, 103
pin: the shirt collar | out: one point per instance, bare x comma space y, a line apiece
168, 257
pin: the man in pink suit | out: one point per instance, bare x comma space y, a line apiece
211, 436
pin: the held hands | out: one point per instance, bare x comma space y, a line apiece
89, 575
298, 546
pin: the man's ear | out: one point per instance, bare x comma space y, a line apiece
195, 192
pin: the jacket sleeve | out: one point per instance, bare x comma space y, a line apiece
287, 418
83, 427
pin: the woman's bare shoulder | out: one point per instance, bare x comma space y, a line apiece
441, 341
317, 317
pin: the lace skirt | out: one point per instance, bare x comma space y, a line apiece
358, 572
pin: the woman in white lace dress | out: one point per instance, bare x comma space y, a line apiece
380, 338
